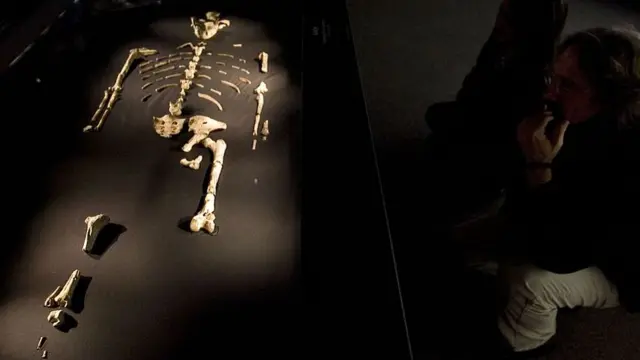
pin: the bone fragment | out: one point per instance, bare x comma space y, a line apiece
235, 67
211, 99
205, 76
222, 72
205, 29
160, 88
205, 217
56, 318
146, 85
217, 92
226, 55
234, 86
199, 85
205, 67
193, 164
245, 71
242, 60
245, 80
171, 76
41, 342
221, 63
145, 98
260, 90
254, 143
45, 354
95, 224
263, 57
265, 130
112, 93
49, 301
208, 53
201, 126
63, 299
187, 44
237, 45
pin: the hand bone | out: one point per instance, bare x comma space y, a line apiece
94, 225
193, 164
201, 126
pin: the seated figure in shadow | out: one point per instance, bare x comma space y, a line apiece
551, 125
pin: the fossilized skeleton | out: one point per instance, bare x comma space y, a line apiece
186, 67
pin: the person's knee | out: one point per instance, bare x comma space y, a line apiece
531, 282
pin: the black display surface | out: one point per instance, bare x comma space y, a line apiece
158, 292
296, 272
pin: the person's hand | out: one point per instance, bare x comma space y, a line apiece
538, 145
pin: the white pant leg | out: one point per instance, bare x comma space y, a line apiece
529, 319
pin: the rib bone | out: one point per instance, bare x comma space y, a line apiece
205, 218
211, 99
201, 126
94, 225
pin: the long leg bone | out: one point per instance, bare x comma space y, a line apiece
259, 91
193, 164
113, 92
201, 126
65, 295
211, 99
205, 218
95, 224
263, 57
56, 318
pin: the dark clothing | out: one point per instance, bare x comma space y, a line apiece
585, 216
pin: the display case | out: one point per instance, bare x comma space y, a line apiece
179, 203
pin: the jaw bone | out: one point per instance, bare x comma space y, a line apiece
62, 296
94, 225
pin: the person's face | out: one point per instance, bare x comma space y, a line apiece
570, 90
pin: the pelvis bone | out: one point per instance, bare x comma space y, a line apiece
170, 124
94, 225
62, 296
201, 126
